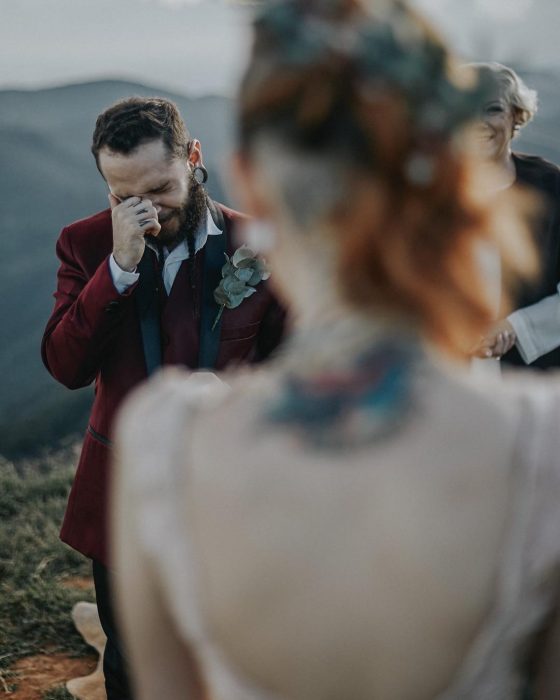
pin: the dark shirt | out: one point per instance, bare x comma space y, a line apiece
540, 176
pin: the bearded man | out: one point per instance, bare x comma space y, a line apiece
135, 291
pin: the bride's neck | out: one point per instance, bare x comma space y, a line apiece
315, 289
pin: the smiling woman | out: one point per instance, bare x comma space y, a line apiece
509, 106
530, 334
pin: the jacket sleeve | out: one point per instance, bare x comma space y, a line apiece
537, 327
85, 321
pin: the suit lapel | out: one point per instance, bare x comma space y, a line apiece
147, 301
214, 260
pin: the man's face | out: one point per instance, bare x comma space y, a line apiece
150, 172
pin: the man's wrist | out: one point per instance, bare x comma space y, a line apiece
122, 279
121, 266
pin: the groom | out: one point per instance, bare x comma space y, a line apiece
135, 291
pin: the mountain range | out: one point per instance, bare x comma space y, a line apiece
48, 178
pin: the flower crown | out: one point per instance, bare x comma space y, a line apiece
387, 54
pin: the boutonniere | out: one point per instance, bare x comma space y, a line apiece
240, 275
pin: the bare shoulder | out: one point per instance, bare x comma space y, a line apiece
522, 407
536, 391
159, 408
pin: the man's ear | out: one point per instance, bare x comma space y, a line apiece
195, 153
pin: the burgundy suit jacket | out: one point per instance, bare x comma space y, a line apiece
94, 334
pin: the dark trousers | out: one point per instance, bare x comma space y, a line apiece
114, 664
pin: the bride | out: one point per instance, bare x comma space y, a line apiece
360, 519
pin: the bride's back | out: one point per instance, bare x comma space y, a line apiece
359, 574
388, 559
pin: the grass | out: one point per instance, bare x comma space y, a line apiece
34, 605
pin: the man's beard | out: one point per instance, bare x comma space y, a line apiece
190, 215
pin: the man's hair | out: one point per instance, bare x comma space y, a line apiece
136, 120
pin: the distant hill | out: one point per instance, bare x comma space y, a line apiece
48, 178
542, 136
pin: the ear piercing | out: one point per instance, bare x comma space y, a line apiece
200, 174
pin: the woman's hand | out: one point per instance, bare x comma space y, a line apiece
499, 340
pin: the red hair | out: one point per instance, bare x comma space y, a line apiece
412, 222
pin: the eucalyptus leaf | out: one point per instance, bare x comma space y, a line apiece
246, 274
232, 285
242, 254
220, 296
245, 263
234, 301
228, 269
255, 277
240, 274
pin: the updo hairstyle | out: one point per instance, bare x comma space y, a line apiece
355, 110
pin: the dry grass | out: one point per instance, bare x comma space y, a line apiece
35, 567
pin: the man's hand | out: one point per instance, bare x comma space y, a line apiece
132, 219
497, 341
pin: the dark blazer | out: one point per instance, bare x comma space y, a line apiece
540, 176
94, 334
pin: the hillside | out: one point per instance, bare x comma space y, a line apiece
48, 178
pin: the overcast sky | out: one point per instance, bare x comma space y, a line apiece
199, 46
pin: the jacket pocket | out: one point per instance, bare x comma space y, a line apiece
244, 332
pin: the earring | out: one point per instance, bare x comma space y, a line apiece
200, 174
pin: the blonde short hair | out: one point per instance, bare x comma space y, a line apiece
523, 100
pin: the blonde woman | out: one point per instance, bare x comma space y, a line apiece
530, 335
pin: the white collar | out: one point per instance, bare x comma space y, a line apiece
174, 258
206, 228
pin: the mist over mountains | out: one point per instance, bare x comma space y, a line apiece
48, 179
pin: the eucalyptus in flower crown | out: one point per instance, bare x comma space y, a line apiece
355, 52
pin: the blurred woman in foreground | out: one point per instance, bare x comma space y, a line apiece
531, 334
359, 520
